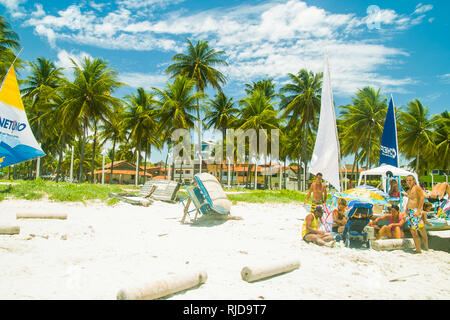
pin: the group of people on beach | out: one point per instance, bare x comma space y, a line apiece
415, 214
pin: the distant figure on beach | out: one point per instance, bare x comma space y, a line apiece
339, 219
394, 230
394, 191
319, 192
311, 229
416, 218
439, 191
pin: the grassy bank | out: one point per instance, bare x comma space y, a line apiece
63, 191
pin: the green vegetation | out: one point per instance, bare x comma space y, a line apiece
63, 191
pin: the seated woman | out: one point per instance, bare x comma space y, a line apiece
394, 191
339, 219
394, 230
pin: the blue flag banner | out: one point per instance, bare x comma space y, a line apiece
389, 144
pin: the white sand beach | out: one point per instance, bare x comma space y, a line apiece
100, 249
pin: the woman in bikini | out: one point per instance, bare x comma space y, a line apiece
394, 230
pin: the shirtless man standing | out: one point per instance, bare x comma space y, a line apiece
439, 190
319, 192
415, 214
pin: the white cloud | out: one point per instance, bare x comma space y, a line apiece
445, 77
64, 61
420, 8
144, 80
268, 39
14, 7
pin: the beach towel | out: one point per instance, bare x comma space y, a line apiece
326, 222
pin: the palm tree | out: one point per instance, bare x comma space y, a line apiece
258, 112
9, 41
442, 160
177, 104
220, 116
300, 102
41, 87
363, 122
199, 64
141, 118
88, 98
113, 129
267, 86
416, 132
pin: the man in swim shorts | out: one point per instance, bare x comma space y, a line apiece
414, 214
319, 193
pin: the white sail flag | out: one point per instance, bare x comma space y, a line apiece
17, 142
326, 155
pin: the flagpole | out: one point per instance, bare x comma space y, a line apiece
395, 126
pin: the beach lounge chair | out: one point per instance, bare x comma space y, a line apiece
207, 196
358, 218
164, 190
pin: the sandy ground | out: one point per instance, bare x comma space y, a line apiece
100, 249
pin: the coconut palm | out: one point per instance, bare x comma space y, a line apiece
442, 141
113, 129
41, 88
177, 103
140, 118
88, 98
199, 64
363, 122
416, 133
9, 41
220, 116
300, 103
258, 112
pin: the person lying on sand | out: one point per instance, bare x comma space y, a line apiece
439, 191
394, 230
311, 229
339, 219
319, 192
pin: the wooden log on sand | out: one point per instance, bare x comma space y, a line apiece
253, 273
41, 215
392, 244
164, 287
9, 229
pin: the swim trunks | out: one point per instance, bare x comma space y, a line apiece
413, 221
316, 203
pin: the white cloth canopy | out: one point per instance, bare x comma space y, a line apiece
382, 170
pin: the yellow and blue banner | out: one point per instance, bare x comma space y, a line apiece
17, 142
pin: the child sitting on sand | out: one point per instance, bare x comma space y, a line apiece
339, 219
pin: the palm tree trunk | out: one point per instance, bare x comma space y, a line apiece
145, 163
112, 160
58, 168
181, 170
284, 173
299, 177
223, 149
417, 162
93, 153
83, 142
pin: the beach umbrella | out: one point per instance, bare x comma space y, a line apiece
363, 195
376, 190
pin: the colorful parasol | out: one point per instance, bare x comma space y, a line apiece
364, 195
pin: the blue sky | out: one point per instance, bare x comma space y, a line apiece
399, 46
